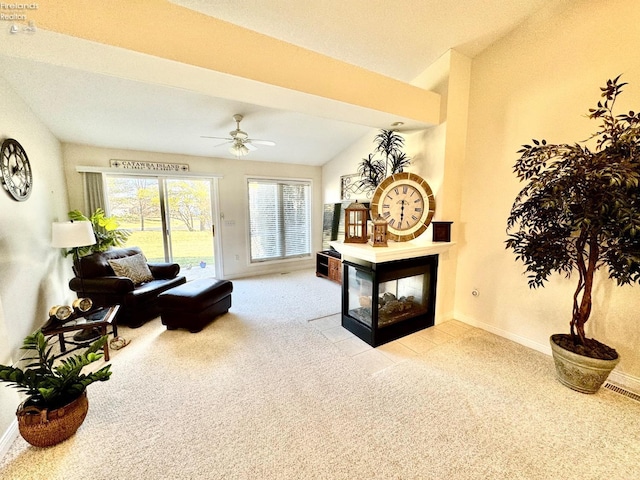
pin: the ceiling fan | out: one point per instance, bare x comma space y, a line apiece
240, 142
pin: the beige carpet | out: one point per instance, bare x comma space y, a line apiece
261, 394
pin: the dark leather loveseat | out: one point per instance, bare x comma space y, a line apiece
139, 303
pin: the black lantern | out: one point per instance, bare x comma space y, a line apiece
355, 223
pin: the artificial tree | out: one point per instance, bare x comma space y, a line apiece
580, 211
374, 170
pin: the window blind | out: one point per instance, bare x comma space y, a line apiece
279, 219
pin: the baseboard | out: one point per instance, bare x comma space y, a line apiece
543, 348
282, 267
620, 379
625, 381
8, 438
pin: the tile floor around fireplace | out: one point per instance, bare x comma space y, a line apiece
374, 360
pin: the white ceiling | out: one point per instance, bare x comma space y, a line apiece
396, 39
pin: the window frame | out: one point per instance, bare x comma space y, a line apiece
309, 208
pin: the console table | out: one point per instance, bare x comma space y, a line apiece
328, 265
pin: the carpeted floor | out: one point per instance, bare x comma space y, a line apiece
262, 394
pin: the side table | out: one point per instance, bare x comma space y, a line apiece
99, 318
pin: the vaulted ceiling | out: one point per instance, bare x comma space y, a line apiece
93, 91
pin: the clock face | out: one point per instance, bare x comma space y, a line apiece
406, 202
17, 178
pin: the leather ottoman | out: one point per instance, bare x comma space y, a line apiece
194, 304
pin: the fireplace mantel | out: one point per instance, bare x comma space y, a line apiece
394, 250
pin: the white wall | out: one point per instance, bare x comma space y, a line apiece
232, 196
539, 82
32, 273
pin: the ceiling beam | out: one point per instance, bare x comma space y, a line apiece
238, 58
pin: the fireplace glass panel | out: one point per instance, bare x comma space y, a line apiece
360, 291
401, 299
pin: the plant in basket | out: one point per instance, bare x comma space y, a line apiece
578, 212
56, 403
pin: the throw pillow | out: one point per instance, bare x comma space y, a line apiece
134, 267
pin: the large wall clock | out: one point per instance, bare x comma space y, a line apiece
406, 202
17, 178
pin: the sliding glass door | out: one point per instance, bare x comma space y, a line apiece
171, 219
189, 224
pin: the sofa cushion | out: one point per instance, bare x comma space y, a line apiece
134, 267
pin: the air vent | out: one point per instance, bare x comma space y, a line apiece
622, 391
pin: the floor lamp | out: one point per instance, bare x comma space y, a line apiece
74, 235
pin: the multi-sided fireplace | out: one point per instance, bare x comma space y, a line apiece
384, 301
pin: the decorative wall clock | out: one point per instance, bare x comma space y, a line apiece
17, 178
406, 202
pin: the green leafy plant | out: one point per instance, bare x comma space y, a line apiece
51, 386
374, 170
580, 210
106, 230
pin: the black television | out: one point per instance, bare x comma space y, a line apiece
333, 222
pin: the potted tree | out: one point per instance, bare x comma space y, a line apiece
56, 403
578, 212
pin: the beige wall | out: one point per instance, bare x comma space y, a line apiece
33, 275
539, 82
232, 197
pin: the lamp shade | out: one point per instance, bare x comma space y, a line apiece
72, 234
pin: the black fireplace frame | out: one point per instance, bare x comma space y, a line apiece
384, 272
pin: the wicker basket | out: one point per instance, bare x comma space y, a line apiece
44, 428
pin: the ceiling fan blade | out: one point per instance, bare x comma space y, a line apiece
268, 143
223, 143
249, 146
218, 138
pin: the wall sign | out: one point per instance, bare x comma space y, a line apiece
157, 166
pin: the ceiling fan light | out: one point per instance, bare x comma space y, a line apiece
239, 150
